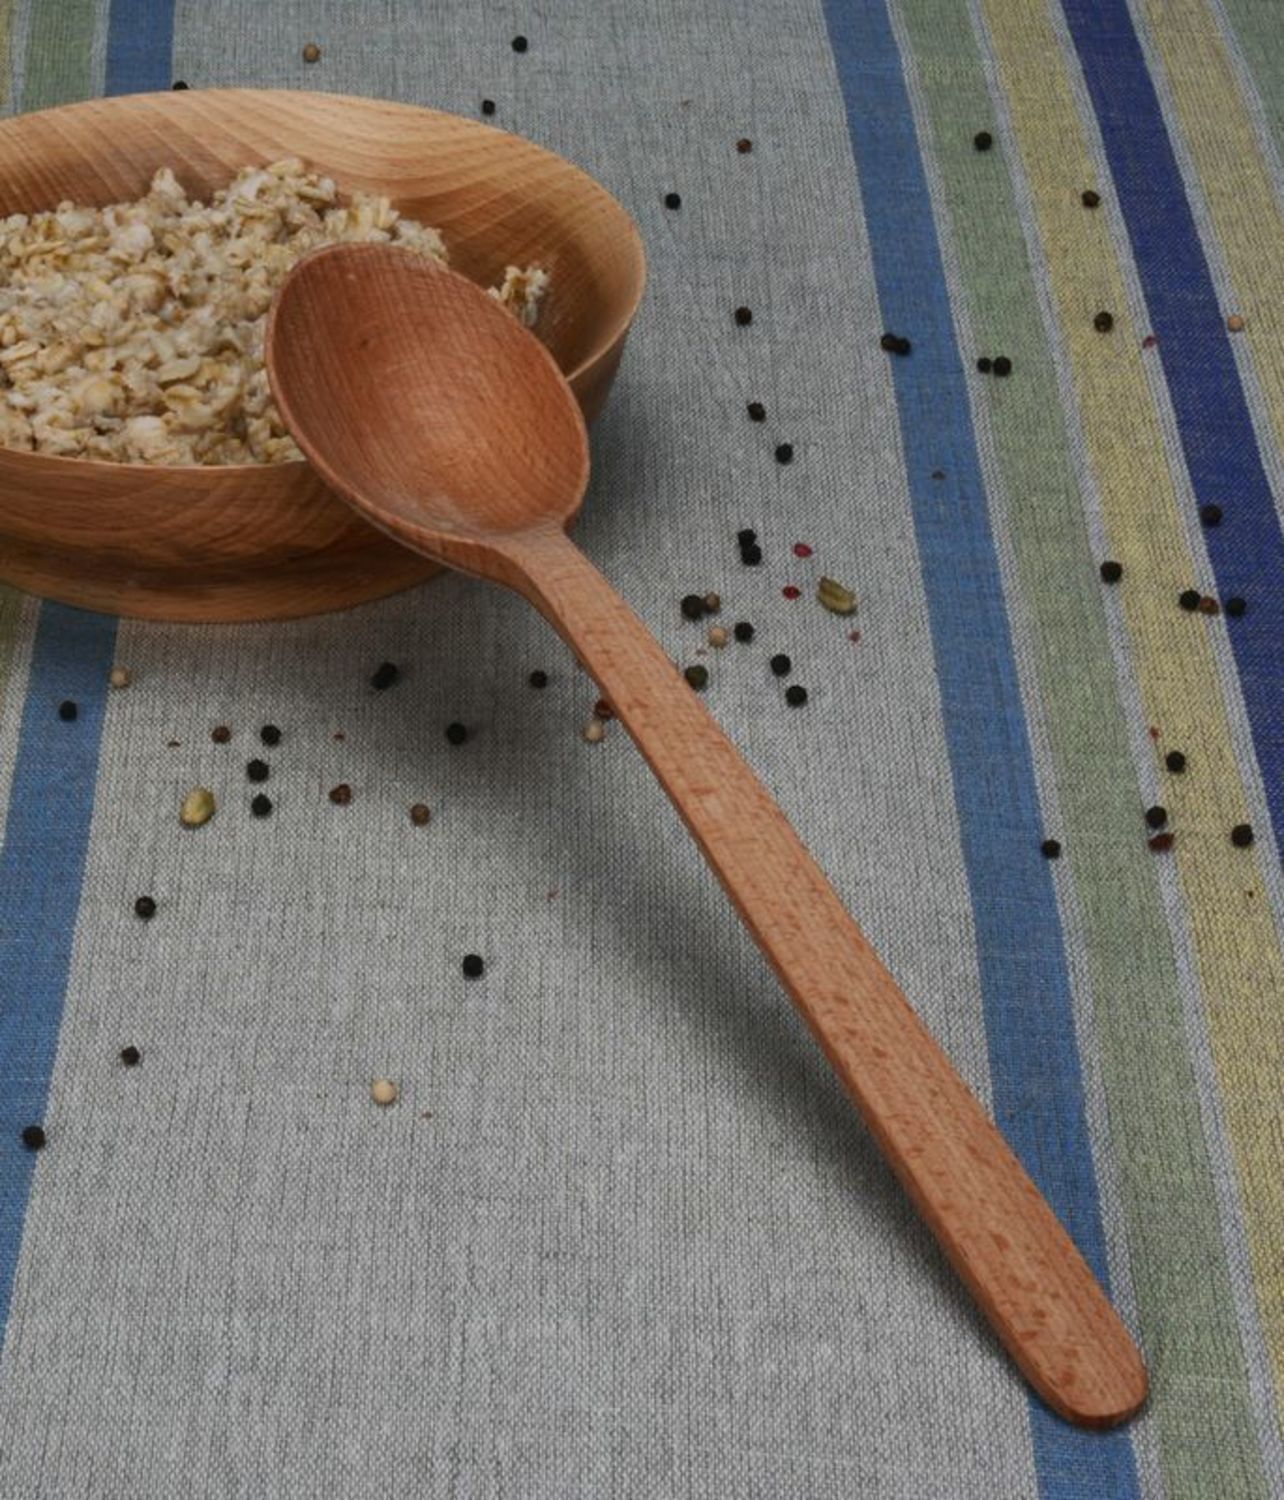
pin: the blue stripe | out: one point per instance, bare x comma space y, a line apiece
52, 797
41, 866
1034, 1062
1217, 438
140, 46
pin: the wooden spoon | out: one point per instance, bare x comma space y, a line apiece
424, 403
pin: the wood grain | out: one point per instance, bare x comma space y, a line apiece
242, 542
452, 429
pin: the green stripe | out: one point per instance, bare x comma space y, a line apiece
1201, 1402
59, 46
6, 55
1261, 43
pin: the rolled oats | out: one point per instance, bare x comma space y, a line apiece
134, 333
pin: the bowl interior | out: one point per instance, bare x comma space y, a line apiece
497, 199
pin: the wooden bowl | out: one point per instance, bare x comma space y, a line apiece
248, 541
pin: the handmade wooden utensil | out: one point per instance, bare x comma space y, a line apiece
422, 402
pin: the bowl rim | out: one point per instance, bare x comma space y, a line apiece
189, 98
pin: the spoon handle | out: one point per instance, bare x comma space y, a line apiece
1001, 1236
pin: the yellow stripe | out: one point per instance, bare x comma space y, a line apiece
1234, 178
1237, 952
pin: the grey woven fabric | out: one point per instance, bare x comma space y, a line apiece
623, 1235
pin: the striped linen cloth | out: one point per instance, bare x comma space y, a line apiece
622, 1234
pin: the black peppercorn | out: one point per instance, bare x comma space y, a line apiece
757, 413
538, 679
781, 665
1189, 599
1002, 365
258, 770
1235, 606
456, 733
33, 1138
751, 555
1089, 199
488, 106
1050, 849
67, 710
672, 200
1210, 515
893, 343
984, 364
1175, 761
261, 806
520, 44
747, 536
473, 966
130, 1056
743, 316
692, 606
743, 631
1242, 835
784, 453
1111, 571
385, 674
1103, 322
795, 696
178, 84
983, 140
1156, 816
270, 734
697, 676
145, 907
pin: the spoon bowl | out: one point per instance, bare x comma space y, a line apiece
426, 405
369, 341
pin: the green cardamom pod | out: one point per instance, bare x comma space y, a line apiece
835, 597
198, 807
